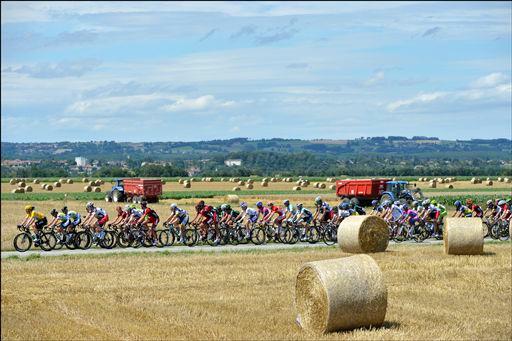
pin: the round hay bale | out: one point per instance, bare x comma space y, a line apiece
222, 179
236, 179
43, 186
449, 186
463, 236
489, 183
473, 181
69, 181
249, 186
57, 184
28, 189
21, 184
447, 180
163, 182
232, 198
14, 191
203, 179
500, 179
180, 181
236, 189
192, 180
420, 179
316, 184
363, 234
332, 187
264, 180
241, 183
36, 181
12, 182
91, 183
87, 188
96, 189
264, 184
186, 185
340, 294
322, 186
85, 180
49, 188
432, 184
298, 182
488, 179
250, 181
507, 180
296, 188
62, 181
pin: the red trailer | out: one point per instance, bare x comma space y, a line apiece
366, 190
135, 189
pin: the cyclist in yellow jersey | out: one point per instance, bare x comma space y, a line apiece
34, 219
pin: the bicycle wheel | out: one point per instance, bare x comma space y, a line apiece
59, 240
71, 243
258, 236
22, 242
503, 233
48, 241
225, 235
330, 236
123, 239
108, 241
191, 237
211, 237
401, 235
312, 234
82, 240
165, 238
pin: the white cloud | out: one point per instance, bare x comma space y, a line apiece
421, 98
377, 78
490, 80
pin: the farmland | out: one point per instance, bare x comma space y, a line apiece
247, 295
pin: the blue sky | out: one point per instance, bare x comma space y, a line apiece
188, 71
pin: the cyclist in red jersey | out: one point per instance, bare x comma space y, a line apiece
148, 217
121, 215
207, 215
278, 221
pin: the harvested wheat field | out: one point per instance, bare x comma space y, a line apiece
248, 295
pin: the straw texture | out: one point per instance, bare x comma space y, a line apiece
463, 236
363, 234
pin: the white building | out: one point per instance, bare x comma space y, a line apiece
81, 161
233, 162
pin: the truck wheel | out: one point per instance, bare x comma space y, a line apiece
385, 197
108, 198
117, 196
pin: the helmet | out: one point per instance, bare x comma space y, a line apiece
286, 202
54, 212
270, 204
457, 204
335, 208
132, 206
374, 203
243, 204
173, 206
64, 210
61, 217
127, 208
415, 204
469, 202
223, 207
143, 203
200, 203
396, 203
344, 206
259, 204
318, 200
405, 207
299, 205
89, 206
380, 209
489, 203
433, 202
386, 203
426, 202
501, 202
29, 208
228, 207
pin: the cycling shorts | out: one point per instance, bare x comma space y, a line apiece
253, 218
103, 221
41, 223
307, 219
183, 220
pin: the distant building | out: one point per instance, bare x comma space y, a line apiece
233, 162
81, 161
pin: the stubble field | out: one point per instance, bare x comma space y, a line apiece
248, 295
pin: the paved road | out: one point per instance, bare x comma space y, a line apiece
173, 249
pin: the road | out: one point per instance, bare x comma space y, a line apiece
177, 249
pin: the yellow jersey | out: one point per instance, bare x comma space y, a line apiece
36, 215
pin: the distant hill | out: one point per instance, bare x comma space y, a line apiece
418, 146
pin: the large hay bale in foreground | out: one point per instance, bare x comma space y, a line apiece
363, 234
235, 189
264, 184
96, 189
232, 198
463, 236
36, 181
340, 294
87, 188
28, 189
296, 188
69, 181
57, 184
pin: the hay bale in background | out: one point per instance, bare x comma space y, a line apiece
249, 186
87, 188
264, 184
222, 179
186, 185
62, 181
28, 189
241, 183
250, 181
332, 187
420, 180
432, 184
69, 181
43, 186
192, 180
12, 182
316, 184
449, 186
507, 180
463, 236
236, 189
473, 181
163, 182
85, 180
232, 198
57, 184
180, 181
363, 234
296, 188
489, 183
264, 180
96, 189
340, 294
14, 191
488, 179
49, 188
21, 184
500, 179
322, 186
36, 181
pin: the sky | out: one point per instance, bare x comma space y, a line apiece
193, 71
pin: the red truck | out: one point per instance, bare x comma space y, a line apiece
363, 191
135, 189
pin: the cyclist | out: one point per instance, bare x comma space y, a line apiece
74, 217
101, 219
179, 217
461, 210
149, 220
228, 214
475, 209
504, 210
490, 207
442, 212
375, 207
302, 215
121, 216
396, 212
323, 210
209, 218
280, 215
358, 209
54, 221
64, 223
343, 211
35, 220
289, 210
252, 217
